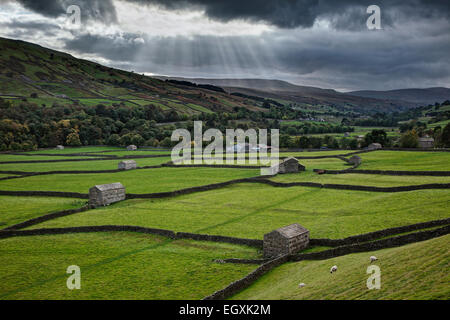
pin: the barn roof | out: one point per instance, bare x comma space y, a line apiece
291, 159
111, 186
128, 162
292, 231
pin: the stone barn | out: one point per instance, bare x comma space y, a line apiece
106, 194
132, 148
127, 165
355, 160
426, 143
286, 240
290, 165
270, 171
375, 146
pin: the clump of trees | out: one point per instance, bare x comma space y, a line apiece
410, 139
28, 126
311, 142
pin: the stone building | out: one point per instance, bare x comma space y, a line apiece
375, 146
270, 171
426, 143
106, 194
60, 147
132, 148
355, 160
286, 240
127, 165
290, 165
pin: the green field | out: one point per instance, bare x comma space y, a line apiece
135, 181
69, 150
11, 158
125, 265
361, 179
251, 210
406, 160
116, 266
79, 165
417, 271
15, 210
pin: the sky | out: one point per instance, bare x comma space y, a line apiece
321, 43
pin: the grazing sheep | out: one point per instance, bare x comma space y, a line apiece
373, 259
301, 285
333, 269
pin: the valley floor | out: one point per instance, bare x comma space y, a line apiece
139, 263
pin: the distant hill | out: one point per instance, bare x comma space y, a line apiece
278, 89
420, 96
46, 77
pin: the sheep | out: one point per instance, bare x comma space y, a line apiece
301, 285
373, 259
333, 269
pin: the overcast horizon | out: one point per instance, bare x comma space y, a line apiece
306, 42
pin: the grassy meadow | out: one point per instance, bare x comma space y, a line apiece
252, 210
15, 210
405, 160
136, 181
79, 165
124, 265
416, 271
116, 266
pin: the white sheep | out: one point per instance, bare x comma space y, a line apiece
333, 269
373, 259
301, 285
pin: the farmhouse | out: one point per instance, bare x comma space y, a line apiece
355, 160
375, 146
290, 165
127, 165
426, 143
132, 148
286, 240
104, 195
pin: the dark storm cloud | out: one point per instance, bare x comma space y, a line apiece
411, 51
103, 10
119, 48
303, 13
343, 14
370, 60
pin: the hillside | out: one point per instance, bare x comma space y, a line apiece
56, 77
312, 96
420, 96
415, 271
45, 77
